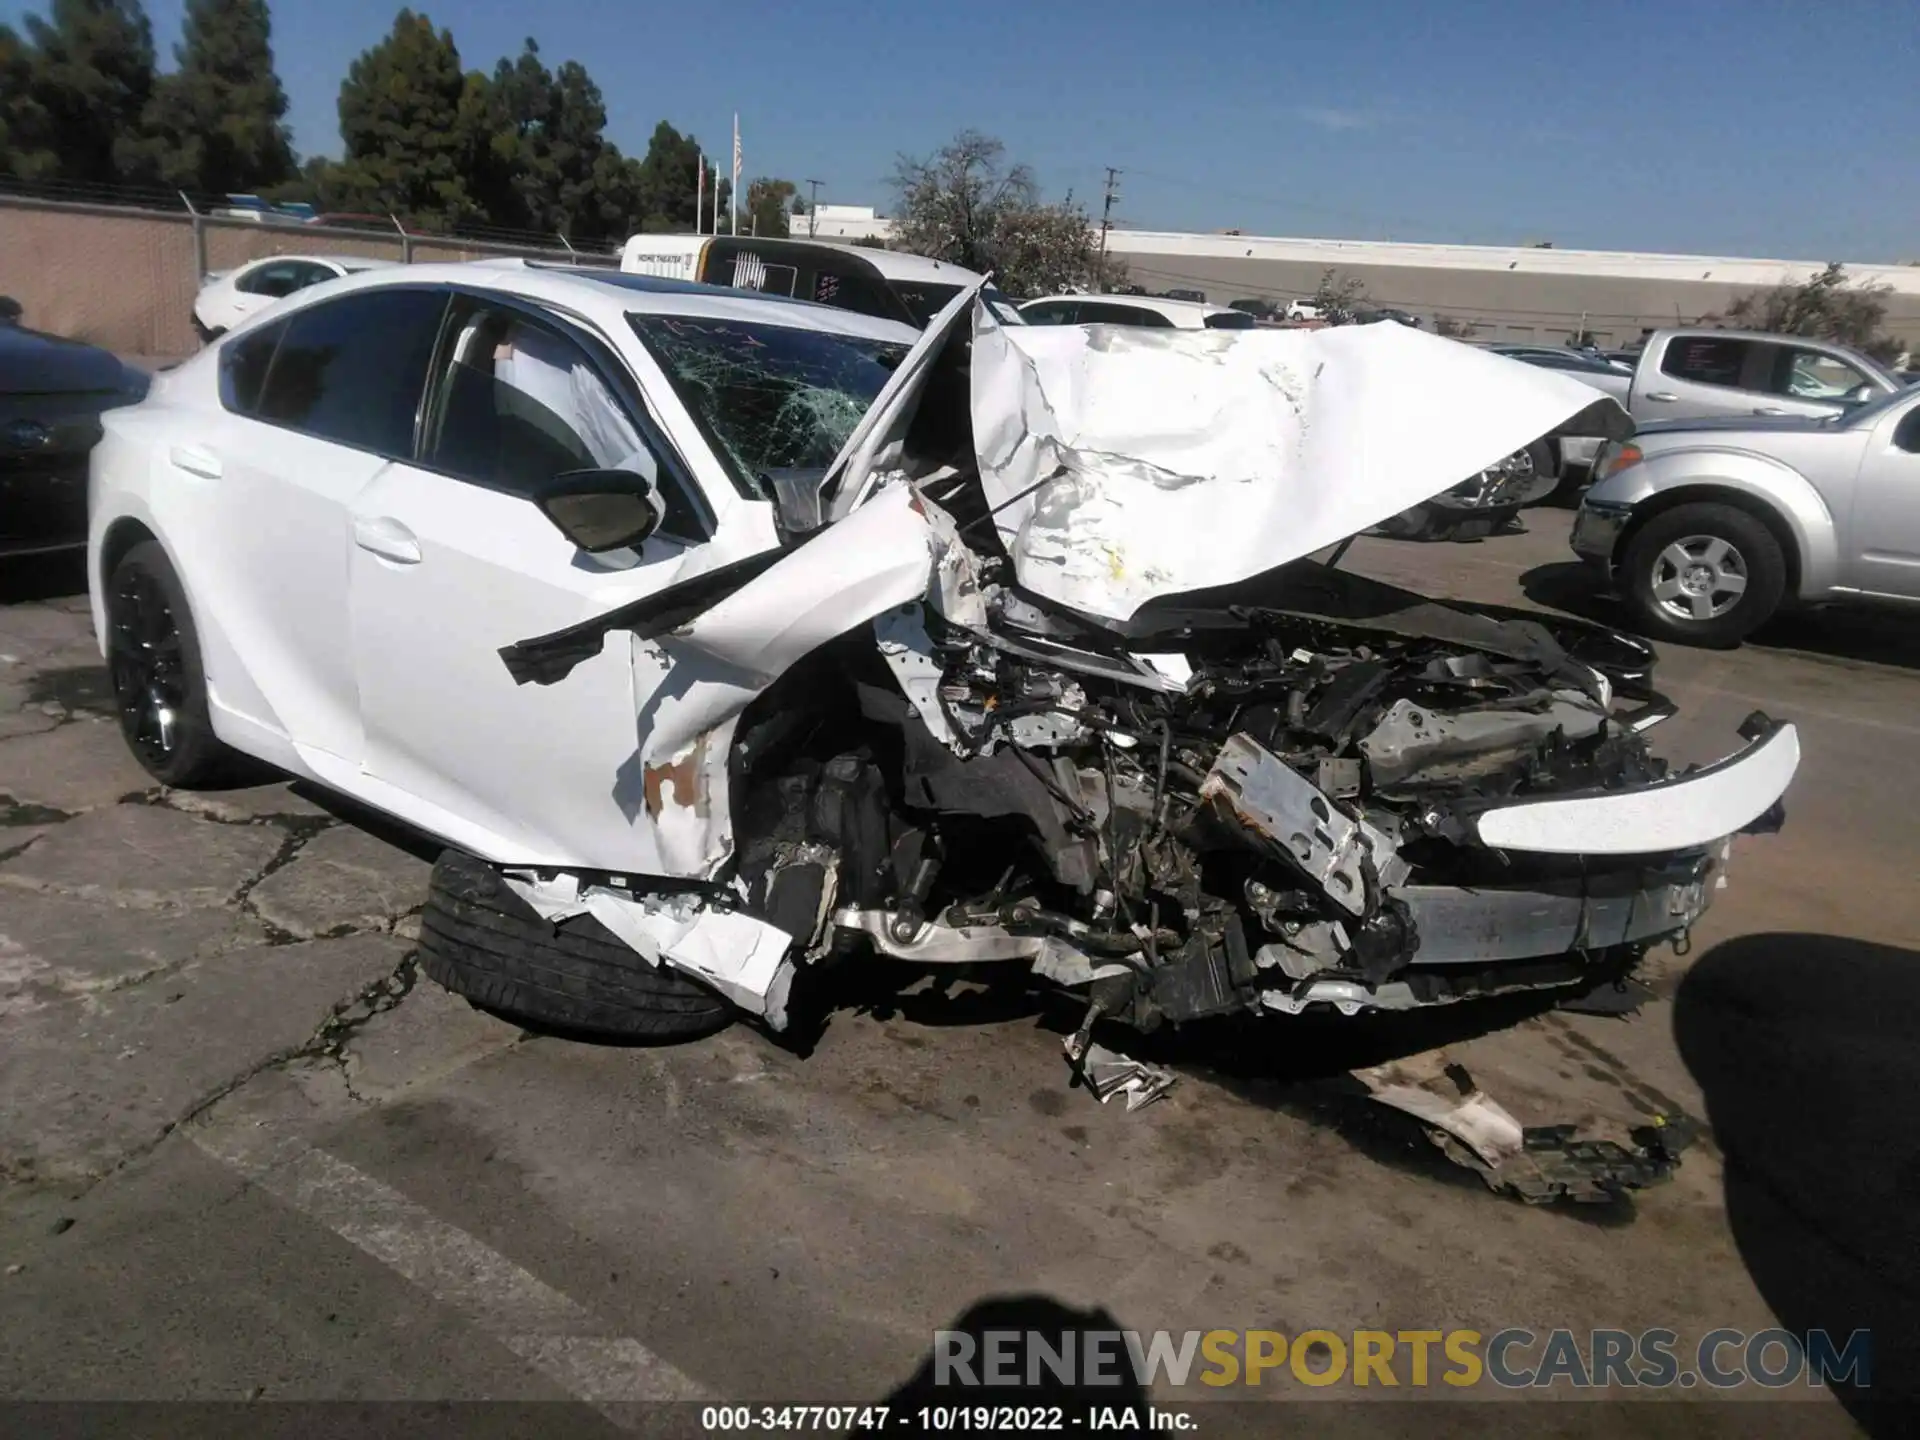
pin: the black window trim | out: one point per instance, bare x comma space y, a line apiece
1674, 349
606, 365
572, 326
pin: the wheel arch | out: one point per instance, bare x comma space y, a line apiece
1780, 497
1778, 525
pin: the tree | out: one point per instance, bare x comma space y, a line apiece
1339, 301
1827, 307
668, 183
1447, 327
26, 130
966, 205
216, 124
766, 209
408, 143
87, 74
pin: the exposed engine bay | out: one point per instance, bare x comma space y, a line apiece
1256, 801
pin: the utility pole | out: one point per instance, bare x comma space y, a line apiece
813, 206
1106, 223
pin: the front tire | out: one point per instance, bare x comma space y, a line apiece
1704, 574
159, 682
481, 940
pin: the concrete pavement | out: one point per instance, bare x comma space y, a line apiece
247, 1156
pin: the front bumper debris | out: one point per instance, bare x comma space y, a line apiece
1597, 528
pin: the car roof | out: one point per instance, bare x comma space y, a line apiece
603, 290
346, 262
892, 264
1172, 309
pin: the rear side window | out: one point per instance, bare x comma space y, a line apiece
243, 367
1706, 360
1106, 314
352, 370
1232, 320
924, 300
1054, 312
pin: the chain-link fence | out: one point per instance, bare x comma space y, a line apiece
121, 268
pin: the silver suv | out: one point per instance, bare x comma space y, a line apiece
1706, 527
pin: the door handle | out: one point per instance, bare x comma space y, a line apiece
195, 461
387, 538
1768, 410
1665, 397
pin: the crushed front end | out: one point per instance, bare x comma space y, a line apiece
1261, 802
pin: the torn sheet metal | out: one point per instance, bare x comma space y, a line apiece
1442, 1095
719, 661
1109, 1074
1539, 1164
747, 960
1124, 464
1282, 807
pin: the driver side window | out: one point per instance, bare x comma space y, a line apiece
516, 402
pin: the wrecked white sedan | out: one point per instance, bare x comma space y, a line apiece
718, 636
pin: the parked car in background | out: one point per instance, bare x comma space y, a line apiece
52, 394
887, 284
1687, 374
1150, 311
229, 296
1707, 527
1574, 454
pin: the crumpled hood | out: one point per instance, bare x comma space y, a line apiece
1127, 464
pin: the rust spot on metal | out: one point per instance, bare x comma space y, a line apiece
681, 782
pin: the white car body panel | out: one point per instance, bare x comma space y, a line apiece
1124, 464
1676, 815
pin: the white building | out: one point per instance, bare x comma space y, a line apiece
1505, 292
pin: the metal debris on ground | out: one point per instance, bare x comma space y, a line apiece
1109, 1074
1535, 1163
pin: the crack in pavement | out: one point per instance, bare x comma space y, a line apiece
327, 1044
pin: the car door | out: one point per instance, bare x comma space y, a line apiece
451, 561
1802, 380
312, 407
1885, 521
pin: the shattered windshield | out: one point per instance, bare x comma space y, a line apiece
768, 398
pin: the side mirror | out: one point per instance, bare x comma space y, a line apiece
600, 510
1861, 394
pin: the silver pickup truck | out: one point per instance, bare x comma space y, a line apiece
1696, 374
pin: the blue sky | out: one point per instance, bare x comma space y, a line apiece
1722, 126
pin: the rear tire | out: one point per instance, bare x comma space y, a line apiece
159, 682
1704, 574
482, 941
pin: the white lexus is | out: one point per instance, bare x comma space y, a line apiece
723, 638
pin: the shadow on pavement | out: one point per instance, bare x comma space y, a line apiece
956, 1371
1878, 636
27, 578
1804, 1047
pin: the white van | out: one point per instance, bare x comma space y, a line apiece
894, 286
